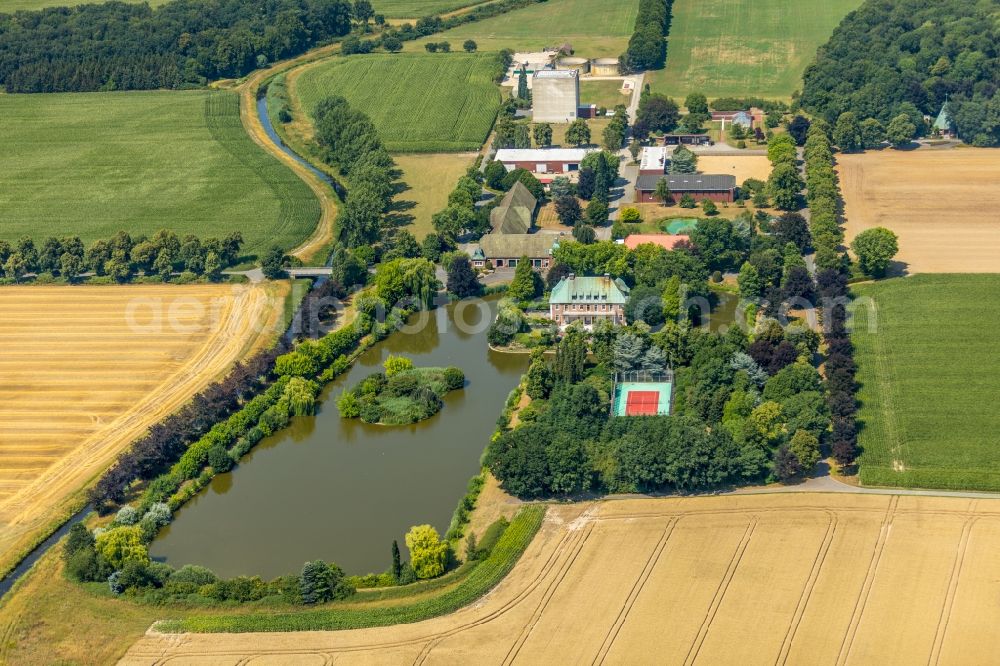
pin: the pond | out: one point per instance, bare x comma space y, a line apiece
342, 490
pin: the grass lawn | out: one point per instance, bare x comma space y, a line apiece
417, 8
93, 164
603, 93
419, 102
596, 125
595, 28
928, 376
430, 179
737, 47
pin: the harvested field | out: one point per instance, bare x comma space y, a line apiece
743, 167
85, 370
754, 579
941, 203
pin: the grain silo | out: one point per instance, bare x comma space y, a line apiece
581, 65
555, 96
604, 67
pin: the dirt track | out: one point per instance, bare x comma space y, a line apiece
943, 204
79, 382
764, 579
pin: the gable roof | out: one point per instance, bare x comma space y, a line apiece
542, 154
589, 290
515, 212
514, 246
666, 241
688, 182
943, 120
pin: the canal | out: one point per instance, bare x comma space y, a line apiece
342, 490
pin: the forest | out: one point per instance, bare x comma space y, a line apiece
184, 43
917, 55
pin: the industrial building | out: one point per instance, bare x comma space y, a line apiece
555, 96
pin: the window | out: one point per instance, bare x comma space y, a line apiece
512, 263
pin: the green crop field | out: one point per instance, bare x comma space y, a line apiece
426, 102
418, 8
7, 6
744, 47
595, 28
929, 374
93, 164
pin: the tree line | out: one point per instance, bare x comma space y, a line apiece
647, 47
917, 55
121, 257
124, 46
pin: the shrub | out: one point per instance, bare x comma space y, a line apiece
126, 515
122, 545
397, 364
454, 378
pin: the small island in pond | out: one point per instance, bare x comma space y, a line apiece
401, 395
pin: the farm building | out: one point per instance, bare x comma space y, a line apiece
516, 211
716, 187
588, 300
505, 250
686, 139
642, 393
942, 124
653, 160
542, 160
666, 241
555, 96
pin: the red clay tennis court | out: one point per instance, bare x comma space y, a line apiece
642, 403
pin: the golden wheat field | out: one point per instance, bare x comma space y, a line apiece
790, 578
85, 370
943, 204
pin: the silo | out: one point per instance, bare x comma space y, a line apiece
604, 67
555, 96
581, 65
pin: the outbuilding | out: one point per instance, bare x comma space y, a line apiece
686, 140
506, 250
542, 160
715, 187
653, 160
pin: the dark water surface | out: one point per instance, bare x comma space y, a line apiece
342, 490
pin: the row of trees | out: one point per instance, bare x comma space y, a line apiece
851, 135
121, 257
647, 47
784, 185
918, 55
350, 142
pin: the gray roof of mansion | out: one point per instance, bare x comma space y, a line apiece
688, 182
